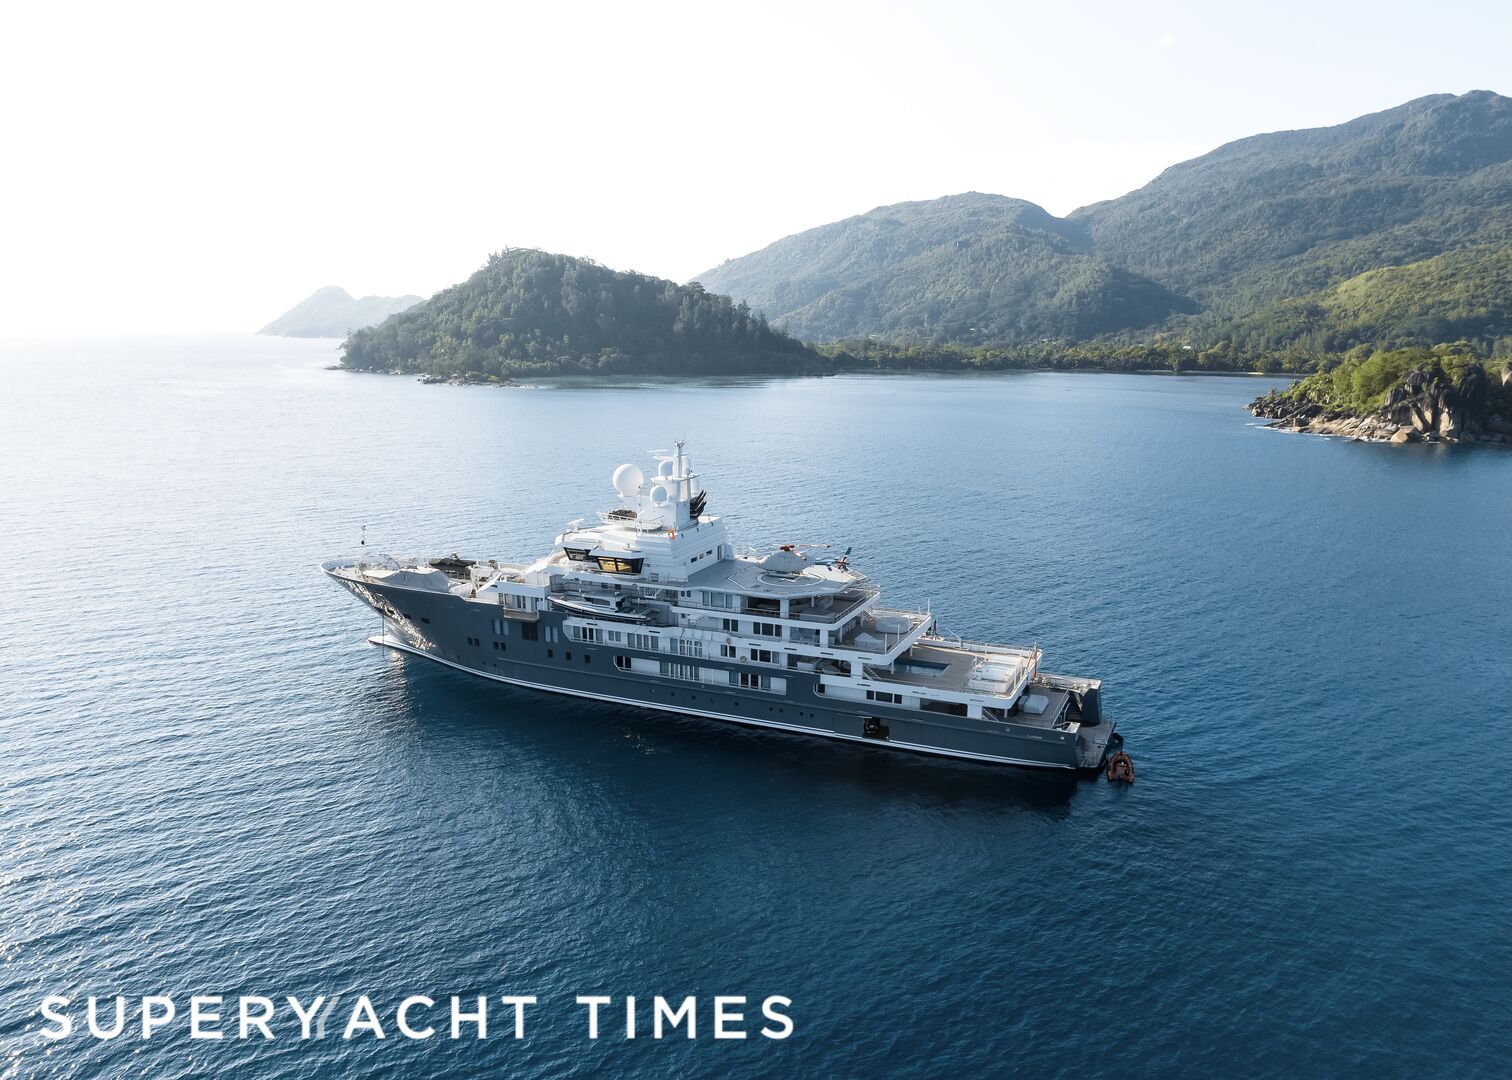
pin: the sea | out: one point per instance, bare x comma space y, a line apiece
212, 786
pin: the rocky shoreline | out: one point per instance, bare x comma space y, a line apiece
1426, 407
434, 380
462, 380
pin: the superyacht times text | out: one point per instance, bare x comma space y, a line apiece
351, 1016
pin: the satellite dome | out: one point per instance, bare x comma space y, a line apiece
628, 479
665, 468
660, 494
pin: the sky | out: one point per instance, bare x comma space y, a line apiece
200, 168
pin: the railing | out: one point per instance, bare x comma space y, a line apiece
966, 645
837, 615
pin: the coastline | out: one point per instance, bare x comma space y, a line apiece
904, 372
1424, 406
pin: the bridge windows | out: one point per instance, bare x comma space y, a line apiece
616, 565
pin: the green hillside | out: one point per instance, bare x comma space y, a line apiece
1289, 213
1386, 229
530, 312
966, 268
1462, 295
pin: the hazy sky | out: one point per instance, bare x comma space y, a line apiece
201, 167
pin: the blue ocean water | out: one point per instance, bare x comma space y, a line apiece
212, 785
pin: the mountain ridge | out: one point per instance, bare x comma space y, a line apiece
1210, 243
962, 267
331, 311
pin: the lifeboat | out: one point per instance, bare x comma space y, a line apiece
1120, 769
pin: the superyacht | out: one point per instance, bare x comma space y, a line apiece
654, 607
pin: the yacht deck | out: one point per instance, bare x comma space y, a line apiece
959, 670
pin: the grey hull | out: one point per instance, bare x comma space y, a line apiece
536, 652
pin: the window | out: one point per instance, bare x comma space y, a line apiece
731, 626
576, 554
530, 632
884, 697
727, 651
549, 654
616, 637
645, 641
749, 681
953, 708
766, 629
673, 670
499, 645
587, 658
587, 633
622, 662
569, 658
763, 656
689, 647
617, 565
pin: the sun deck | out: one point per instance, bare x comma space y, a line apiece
962, 670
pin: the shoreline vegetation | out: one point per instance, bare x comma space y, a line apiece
1370, 261
1447, 393
529, 314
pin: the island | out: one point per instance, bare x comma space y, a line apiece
530, 312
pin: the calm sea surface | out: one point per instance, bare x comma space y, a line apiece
210, 783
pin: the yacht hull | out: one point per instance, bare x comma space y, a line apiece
538, 653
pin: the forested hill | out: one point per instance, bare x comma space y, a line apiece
965, 268
1292, 212
1278, 241
531, 312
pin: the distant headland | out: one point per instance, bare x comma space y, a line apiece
333, 312
1444, 394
